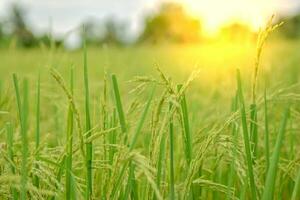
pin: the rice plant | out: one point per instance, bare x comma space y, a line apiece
152, 137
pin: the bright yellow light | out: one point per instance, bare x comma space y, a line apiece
216, 13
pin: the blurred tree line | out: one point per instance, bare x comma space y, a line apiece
170, 24
291, 26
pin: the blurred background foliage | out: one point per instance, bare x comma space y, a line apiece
170, 24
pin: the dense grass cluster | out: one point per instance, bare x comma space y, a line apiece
151, 147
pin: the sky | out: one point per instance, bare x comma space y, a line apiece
65, 15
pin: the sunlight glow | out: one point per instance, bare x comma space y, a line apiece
216, 13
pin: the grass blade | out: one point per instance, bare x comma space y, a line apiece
23, 112
10, 152
113, 137
89, 145
246, 136
171, 132
130, 181
196, 190
133, 142
161, 157
37, 128
296, 187
119, 103
272, 171
186, 127
142, 120
267, 151
37, 132
234, 131
69, 157
253, 129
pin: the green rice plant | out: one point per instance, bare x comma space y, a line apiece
158, 141
273, 168
246, 137
215, 186
119, 106
37, 132
234, 133
186, 126
160, 166
10, 152
60, 170
122, 122
171, 137
112, 137
187, 134
261, 41
23, 117
134, 139
131, 179
296, 187
131, 188
37, 127
1, 89
137, 154
75, 110
69, 142
89, 145
262, 38
105, 120
267, 151
253, 130
156, 134
142, 120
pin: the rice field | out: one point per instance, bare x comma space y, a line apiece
217, 121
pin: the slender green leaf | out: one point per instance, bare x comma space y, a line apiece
267, 151
142, 120
23, 113
69, 156
172, 179
296, 194
37, 127
89, 145
272, 171
119, 103
10, 151
253, 129
186, 127
246, 137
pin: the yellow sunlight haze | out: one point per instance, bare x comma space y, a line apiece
214, 14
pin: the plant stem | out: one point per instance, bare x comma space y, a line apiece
246, 136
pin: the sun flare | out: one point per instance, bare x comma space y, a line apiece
214, 14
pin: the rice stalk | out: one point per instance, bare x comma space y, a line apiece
273, 168
69, 142
10, 154
246, 137
37, 129
89, 146
23, 117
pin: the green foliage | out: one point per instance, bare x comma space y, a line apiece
21, 32
194, 149
247, 143
291, 27
171, 24
109, 32
272, 170
237, 32
23, 120
88, 128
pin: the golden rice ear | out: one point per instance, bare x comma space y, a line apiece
261, 40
